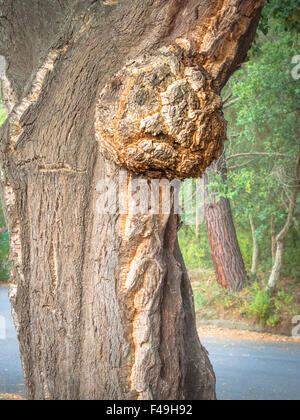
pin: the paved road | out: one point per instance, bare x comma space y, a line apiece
11, 380
252, 370
245, 370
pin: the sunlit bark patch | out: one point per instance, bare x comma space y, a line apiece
33, 95
8, 95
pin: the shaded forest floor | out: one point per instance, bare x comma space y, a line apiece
253, 309
232, 334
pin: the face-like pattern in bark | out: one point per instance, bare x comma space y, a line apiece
161, 118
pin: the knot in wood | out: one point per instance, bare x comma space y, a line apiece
160, 117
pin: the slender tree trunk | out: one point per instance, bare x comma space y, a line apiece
226, 254
255, 252
198, 222
280, 239
101, 300
276, 269
273, 238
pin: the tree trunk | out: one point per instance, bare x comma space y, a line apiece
255, 252
226, 254
280, 239
101, 300
198, 221
273, 239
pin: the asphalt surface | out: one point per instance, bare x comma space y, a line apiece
245, 370
11, 379
255, 370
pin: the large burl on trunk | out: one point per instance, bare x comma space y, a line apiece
102, 302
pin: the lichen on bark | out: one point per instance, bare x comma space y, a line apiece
161, 116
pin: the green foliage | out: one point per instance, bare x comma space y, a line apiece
266, 118
268, 96
209, 294
259, 306
254, 304
2, 116
285, 12
196, 251
2, 110
268, 309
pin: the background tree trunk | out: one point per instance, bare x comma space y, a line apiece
273, 238
255, 252
226, 254
280, 238
102, 302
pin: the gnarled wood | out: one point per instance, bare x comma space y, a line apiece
161, 117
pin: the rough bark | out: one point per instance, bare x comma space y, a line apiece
280, 238
226, 254
102, 302
7, 92
255, 249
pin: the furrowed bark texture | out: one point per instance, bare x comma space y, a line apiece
102, 302
226, 253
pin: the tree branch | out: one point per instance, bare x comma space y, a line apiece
296, 187
258, 154
227, 98
233, 168
231, 103
229, 32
